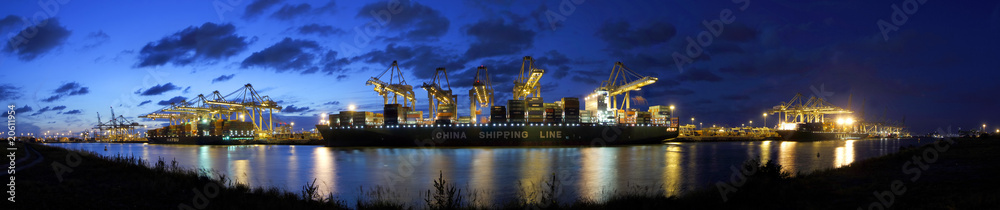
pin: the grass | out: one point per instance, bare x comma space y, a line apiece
962, 177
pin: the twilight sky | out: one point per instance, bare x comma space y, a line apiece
935, 64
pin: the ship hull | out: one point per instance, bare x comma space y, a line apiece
793, 135
198, 140
493, 135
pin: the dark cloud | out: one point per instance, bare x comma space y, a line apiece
145, 102
736, 97
330, 7
496, 37
57, 108
621, 36
159, 89
95, 39
207, 43
289, 54
67, 89
9, 21
24, 109
257, 7
332, 103
341, 77
43, 110
288, 11
738, 33
72, 112
554, 63
177, 99
667, 91
9, 92
187, 90
292, 109
422, 60
418, 22
320, 30
223, 78
47, 36
699, 75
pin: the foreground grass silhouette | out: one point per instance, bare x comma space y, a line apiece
963, 176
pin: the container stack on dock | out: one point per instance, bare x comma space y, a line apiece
515, 111
498, 114
571, 110
536, 110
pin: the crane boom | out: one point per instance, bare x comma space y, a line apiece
396, 86
526, 85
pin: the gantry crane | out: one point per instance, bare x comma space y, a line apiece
481, 92
526, 85
396, 86
812, 110
118, 128
246, 100
438, 96
621, 81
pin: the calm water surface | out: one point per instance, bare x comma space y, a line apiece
499, 173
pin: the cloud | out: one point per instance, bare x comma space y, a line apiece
9, 21
67, 89
207, 43
289, 54
496, 37
145, 102
554, 63
292, 109
422, 60
329, 7
320, 30
257, 7
288, 11
47, 36
699, 75
341, 77
332, 103
95, 39
57, 108
418, 22
621, 36
177, 99
43, 110
739, 33
9, 92
159, 89
24, 109
736, 97
187, 90
223, 78
73, 112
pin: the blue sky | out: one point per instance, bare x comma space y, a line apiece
938, 69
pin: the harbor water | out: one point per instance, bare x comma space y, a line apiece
498, 174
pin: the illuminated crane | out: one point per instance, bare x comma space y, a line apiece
246, 100
481, 92
526, 85
621, 81
118, 128
396, 86
812, 110
438, 96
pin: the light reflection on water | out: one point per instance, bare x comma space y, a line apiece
498, 174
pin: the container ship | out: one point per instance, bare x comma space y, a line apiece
524, 120
205, 132
816, 132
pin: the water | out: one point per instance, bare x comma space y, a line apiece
501, 173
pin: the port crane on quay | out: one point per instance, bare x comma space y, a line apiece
118, 128
241, 104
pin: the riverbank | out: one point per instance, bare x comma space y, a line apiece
959, 177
